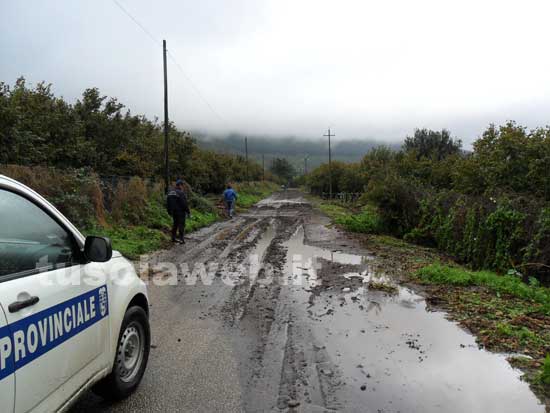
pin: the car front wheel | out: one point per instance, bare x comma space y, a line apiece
131, 356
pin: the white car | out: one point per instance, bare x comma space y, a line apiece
73, 313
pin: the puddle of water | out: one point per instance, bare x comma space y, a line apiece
257, 254
394, 355
271, 202
235, 271
303, 260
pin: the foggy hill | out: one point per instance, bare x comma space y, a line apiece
292, 148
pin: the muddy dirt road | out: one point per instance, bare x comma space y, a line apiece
276, 310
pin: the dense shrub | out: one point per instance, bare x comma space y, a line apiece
76, 193
488, 208
345, 178
485, 234
396, 201
130, 201
537, 252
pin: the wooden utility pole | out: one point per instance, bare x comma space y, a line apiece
246, 156
305, 164
329, 165
166, 171
263, 167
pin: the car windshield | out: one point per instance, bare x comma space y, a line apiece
29, 238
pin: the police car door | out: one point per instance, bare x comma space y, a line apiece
58, 331
7, 389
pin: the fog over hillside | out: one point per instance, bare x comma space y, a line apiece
295, 149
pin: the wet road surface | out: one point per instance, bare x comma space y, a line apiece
275, 310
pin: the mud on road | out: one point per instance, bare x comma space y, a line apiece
276, 310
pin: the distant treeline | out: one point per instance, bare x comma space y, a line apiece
489, 207
294, 149
97, 132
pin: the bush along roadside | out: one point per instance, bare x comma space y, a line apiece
488, 207
364, 219
139, 223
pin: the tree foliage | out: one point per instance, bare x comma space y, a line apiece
98, 132
488, 207
283, 169
432, 144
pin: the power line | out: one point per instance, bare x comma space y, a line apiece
195, 88
141, 26
172, 58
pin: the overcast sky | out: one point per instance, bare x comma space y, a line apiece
369, 69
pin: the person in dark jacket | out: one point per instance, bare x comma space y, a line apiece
178, 208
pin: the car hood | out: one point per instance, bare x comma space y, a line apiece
117, 254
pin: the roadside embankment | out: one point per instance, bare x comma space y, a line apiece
129, 210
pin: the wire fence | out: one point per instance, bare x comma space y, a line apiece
345, 197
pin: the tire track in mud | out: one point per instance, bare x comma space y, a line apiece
279, 362
240, 269
279, 365
286, 364
280, 347
264, 285
307, 372
264, 321
220, 243
208, 243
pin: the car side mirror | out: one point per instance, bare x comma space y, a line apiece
98, 249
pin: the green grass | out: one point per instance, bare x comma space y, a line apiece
247, 200
390, 241
333, 211
366, 220
250, 193
544, 375
156, 215
200, 219
500, 284
522, 333
135, 240
132, 241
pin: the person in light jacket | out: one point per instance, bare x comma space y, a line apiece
229, 197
